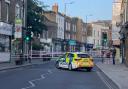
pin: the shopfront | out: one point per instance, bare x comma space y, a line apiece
5, 43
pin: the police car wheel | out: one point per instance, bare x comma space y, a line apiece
70, 66
57, 65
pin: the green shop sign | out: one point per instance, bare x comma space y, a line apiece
72, 42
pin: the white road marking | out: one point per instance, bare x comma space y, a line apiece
32, 85
106, 83
49, 71
31, 82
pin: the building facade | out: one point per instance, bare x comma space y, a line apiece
100, 34
115, 22
84, 36
47, 36
58, 18
67, 33
123, 31
10, 10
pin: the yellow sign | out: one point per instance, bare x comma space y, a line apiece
18, 21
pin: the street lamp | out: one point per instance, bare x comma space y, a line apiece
65, 6
86, 28
87, 18
24, 18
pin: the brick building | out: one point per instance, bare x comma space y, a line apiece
9, 11
56, 17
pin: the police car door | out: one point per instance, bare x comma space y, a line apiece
62, 62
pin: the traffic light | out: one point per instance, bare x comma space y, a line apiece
28, 36
105, 40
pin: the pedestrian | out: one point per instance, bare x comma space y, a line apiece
29, 58
102, 55
113, 55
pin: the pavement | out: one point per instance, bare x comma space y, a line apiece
117, 73
12, 65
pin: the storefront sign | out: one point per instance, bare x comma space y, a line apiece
5, 28
18, 28
72, 42
4, 57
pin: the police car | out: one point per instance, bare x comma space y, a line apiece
75, 60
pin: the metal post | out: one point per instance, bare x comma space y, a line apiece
52, 50
86, 29
24, 25
86, 34
31, 50
65, 7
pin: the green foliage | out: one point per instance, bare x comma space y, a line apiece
35, 18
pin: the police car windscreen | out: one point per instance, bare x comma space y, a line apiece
83, 56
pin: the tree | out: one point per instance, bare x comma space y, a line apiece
35, 18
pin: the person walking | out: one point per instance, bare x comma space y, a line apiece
113, 55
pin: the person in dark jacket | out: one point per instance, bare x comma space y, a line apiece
113, 55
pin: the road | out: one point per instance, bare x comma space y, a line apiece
46, 76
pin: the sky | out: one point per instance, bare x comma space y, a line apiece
93, 9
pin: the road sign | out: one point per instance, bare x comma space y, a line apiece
72, 42
18, 28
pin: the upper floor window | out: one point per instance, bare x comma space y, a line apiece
7, 11
17, 11
0, 9
94, 33
66, 25
75, 28
98, 33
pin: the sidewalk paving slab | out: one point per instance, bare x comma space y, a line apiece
117, 73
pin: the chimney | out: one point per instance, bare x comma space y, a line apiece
55, 8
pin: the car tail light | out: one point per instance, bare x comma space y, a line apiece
77, 59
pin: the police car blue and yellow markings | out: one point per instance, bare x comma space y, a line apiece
76, 61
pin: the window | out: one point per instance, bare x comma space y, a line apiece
82, 29
17, 11
0, 9
94, 33
70, 55
83, 39
69, 26
66, 25
75, 28
22, 13
7, 11
98, 33
83, 55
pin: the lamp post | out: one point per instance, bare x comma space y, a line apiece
65, 10
65, 6
86, 17
24, 23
